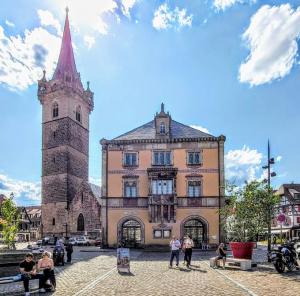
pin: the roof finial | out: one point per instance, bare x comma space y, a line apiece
88, 85
67, 10
162, 108
44, 75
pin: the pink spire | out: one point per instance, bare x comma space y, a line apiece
66, 61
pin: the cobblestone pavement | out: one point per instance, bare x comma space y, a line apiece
94, 273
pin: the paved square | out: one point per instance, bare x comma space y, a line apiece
94, 273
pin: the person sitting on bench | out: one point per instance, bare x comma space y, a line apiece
46, 265
28, 272
221, 255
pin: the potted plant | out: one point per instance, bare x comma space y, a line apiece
246, 215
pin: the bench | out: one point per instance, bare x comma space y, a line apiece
244, 264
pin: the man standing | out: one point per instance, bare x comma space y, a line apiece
175, 246
69, 250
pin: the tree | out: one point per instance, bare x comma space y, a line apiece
247, 212
9, 221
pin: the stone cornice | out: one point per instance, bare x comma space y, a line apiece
105, 142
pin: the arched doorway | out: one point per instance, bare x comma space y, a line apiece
196, 229
131, 234
80, 223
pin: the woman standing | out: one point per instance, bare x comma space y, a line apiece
188, 245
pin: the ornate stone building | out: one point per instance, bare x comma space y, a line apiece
161, 179
69, 203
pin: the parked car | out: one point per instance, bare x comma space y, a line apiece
39, 242
82, 241
91, 241
98, 242
73, 241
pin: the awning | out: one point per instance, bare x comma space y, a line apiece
279, 231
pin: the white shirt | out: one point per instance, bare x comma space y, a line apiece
175, 245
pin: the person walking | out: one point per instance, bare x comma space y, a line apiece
175, 247
69, 250
188, 245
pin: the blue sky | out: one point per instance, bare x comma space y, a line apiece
228, 66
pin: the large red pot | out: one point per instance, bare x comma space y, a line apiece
242, 250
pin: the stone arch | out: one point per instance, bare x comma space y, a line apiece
128, 218
200, 219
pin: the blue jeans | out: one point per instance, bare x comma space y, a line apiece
174, 253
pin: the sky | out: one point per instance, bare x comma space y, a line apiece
224, 66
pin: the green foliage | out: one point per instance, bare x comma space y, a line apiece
9, 221
248, 211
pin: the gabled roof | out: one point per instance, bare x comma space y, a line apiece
291, 191
148, 132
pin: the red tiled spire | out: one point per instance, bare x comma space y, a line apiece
66, 61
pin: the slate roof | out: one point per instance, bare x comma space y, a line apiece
147, 132
96, 191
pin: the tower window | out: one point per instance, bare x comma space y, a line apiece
53, 221
81, 197
55, 110
54, 159
162, 129
78, 113
54, 135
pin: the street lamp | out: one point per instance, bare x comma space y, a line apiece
271, 161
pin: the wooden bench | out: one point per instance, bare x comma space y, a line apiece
244, 264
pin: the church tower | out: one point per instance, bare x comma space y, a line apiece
66, 106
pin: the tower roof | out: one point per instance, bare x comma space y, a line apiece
66, 61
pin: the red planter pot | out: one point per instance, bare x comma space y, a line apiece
242, 250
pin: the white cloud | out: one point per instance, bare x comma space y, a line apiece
224, 4
20, 189
243, 164
89, 41
10, 24
47, 19
165, 18
96, 181
200, 128
272, 39
127, 5
23, 58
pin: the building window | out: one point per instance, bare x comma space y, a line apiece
53, 159
53, 221
55, 110
162, 158
298, 220
54, 135
78, 113
162, 129
160, 233
80, 223
194, 158
162, 186
130, 189
81, 197
194, 188
130, 159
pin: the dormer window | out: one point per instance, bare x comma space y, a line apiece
78, 113
162, 129
55, 110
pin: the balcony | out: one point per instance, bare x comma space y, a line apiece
198, 202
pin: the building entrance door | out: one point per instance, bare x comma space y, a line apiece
196, 230
131, 234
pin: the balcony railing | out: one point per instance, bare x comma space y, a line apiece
128, 202
194, 202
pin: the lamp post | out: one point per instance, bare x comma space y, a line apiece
271, 161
